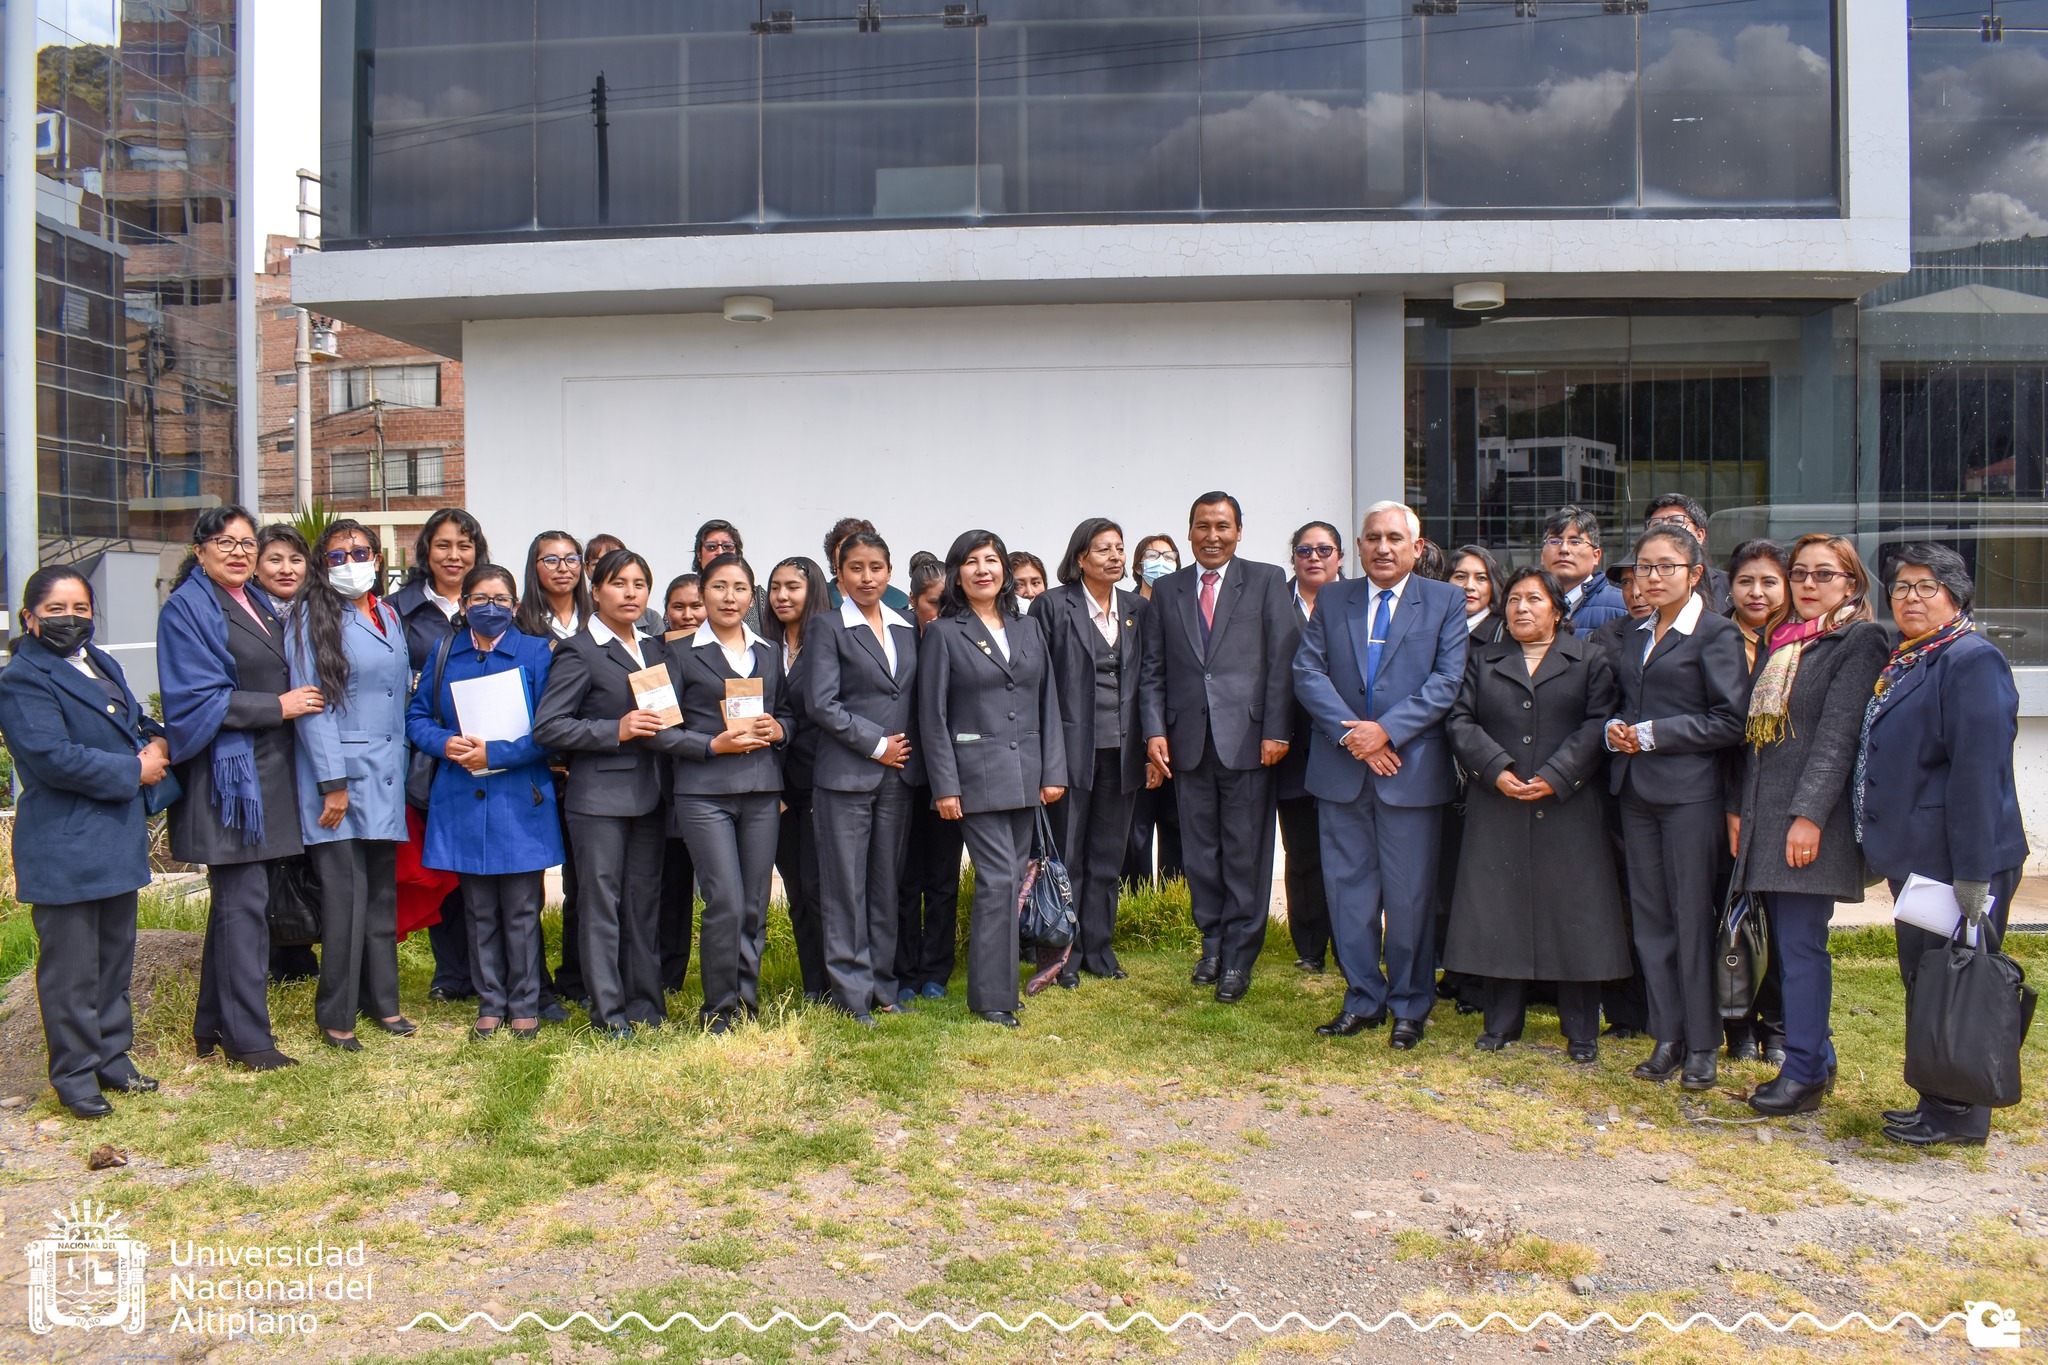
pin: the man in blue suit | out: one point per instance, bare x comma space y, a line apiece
1380, 663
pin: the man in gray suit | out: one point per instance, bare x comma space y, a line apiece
1214, 701
1381, 662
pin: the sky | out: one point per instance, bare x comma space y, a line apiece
285, 107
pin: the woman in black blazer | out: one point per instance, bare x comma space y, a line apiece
1092, 632
860, 691
986, 699
1478, 573
85, 754
228, 700
1684, 701
728, 785
796, 595
617, 772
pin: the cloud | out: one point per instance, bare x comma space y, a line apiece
1980, 146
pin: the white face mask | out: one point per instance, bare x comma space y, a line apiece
352, 580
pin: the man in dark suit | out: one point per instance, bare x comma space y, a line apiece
1676, 509
1571, 551
1214, 702
1379, 668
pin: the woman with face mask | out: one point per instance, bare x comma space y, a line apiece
1155, 816
492, 820
351, 767
228, 701
86, 754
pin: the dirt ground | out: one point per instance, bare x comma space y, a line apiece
1316, 1226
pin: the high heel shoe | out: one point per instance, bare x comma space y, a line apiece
348, 1044
264, 1059
401, 1027
205, 1047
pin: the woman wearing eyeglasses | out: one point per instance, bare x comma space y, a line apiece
717, 537
1794, 833
1318, 553
228, 698
552, 607
351, 767
492, 820
1155, 818
1684, 700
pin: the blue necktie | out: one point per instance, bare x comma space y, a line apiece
1382, 618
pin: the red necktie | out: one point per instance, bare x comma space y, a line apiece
1209, 577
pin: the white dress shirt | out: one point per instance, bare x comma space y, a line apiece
850, 613
742, 659
564, 629
1103, 617
1477, 620
1688, 621
448, 605
603, 634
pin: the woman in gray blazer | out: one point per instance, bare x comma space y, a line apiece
728, 786
860, 685
995, 748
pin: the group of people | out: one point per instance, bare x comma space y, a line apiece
1540, 783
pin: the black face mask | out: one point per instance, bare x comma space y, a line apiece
64, 635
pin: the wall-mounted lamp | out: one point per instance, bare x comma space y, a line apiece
749, 308
1478, 296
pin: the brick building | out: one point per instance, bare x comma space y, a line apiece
387, 418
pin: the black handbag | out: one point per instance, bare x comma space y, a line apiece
1742, 952
294, 910
421, 767
1045, 907
1966, 1016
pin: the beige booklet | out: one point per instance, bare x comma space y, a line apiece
654, 691
743, 704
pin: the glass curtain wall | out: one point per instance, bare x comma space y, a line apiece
492, 117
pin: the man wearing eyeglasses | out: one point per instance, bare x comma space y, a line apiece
1676, 509
1572, 554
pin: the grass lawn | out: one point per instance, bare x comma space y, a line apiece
942, 1163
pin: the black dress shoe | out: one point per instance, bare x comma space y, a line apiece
1309, 965
267, 1059
1778, 1096
1466, 1007
1348, 1025
553, 1013
1920, 1135
1662, 1064
1003, 1017
1206, 972
1492, 1042
439, 996
1407, 1033
1620, 1033
91, 1107
348, 1044
1745, 1050
400, 1027
1231, 986
134, 1083
1774, 1056
1700, 1070
1116, 974
1903, 1118
1070, 981
1583, 1054
205, 1047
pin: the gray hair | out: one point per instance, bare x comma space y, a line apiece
1943, 562
1414, 522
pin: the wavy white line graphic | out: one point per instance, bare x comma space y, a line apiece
1285, 1322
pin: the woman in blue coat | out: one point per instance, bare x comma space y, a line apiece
84, 752
350, 771
492, 818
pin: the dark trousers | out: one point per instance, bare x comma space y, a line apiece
1578, 1008
1952, 1117
85, 954
234, 961
1379, 870
1308, 905
1226, 825
796, 858
293, 962
678, 907
999, 841
1672, 854
1625, 1001
449, 938
1094, 829
504, 942
732, 841
1799, 941
358, 931
861, 839
618, 865
929, 921
1155, 824
568, 979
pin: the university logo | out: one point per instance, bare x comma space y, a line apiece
86, 1273
1987, 1325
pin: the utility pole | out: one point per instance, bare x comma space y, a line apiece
600, 102
302, 437
18, 298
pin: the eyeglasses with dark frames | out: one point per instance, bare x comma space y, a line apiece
1926, 589
228, 545
482, 599
1820, 576
557, 561
1314, 551
359, 554
721, 547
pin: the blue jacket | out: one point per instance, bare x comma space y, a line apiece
1422, 669
1938, 793
79, 829
359, 740
503, 822
1600, 603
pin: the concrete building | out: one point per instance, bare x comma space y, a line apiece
1032, 260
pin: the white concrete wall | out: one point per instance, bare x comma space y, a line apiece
927, 421
2030, 773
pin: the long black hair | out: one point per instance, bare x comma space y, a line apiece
420, 571
211, 523
953, 601
817, 601
535, 613
1497, 592
323, 611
